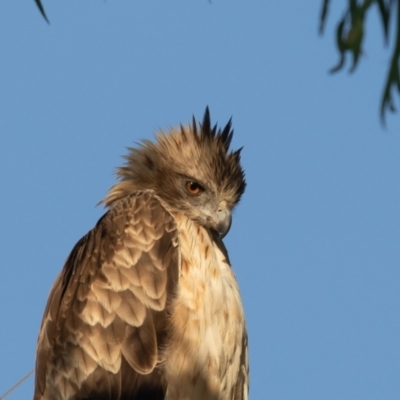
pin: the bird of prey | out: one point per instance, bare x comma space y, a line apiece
147, 306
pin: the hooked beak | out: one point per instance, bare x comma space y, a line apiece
221, 221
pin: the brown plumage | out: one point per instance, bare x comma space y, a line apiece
147, 306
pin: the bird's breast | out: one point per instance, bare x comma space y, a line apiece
207, 322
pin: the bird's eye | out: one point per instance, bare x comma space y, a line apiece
194, 188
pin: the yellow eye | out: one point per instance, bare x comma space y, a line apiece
193, 188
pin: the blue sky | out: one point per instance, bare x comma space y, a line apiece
315, 241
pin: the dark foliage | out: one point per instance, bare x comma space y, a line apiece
41, 9
349, 39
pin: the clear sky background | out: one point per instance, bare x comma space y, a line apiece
315, 241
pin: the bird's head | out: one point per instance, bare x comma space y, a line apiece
191, 169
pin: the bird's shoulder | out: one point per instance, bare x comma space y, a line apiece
136, 232
115, 288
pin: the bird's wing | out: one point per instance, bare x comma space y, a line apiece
108, 309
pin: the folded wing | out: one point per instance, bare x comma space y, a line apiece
106, 319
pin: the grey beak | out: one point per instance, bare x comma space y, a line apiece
223, 221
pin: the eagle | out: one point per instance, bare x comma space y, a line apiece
147, 306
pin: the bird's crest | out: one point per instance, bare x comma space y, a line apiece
198, 151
